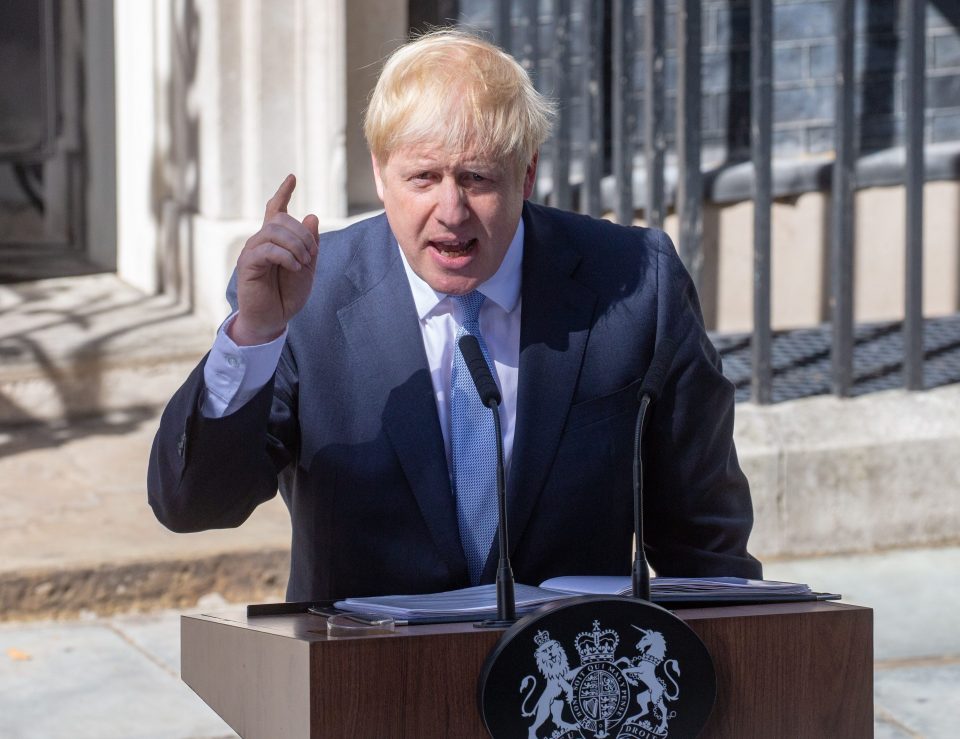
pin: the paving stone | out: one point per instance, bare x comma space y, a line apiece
883, 729
155, 634
925, 700
86, 681
912, 593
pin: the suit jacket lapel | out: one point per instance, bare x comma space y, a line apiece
557, 313
382, 330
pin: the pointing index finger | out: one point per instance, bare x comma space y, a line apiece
281, 198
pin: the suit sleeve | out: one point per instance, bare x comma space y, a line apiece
698, 506
209, 473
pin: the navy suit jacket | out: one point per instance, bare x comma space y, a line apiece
349, 425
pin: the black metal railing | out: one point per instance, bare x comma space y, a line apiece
604, 33
843, 185
915, 22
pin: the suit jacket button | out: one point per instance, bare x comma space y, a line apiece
181, 443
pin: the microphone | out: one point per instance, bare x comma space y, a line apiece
490, 397
479, 370
649, 391
656, 376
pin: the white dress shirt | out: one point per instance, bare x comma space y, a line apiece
234, 374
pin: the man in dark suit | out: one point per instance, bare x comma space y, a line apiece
337, 373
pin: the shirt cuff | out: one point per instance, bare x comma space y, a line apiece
234, 374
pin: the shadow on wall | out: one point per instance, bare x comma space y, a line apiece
83, 347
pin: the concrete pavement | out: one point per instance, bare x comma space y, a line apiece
117, 677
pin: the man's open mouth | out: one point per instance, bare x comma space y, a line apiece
454, 248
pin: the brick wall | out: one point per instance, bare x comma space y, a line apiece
804, 61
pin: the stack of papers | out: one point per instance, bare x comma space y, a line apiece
666, 587
474, 603
480, 602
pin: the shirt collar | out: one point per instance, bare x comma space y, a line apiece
503, 288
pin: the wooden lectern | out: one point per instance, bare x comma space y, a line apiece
785, 670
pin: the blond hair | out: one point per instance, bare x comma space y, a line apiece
451, 89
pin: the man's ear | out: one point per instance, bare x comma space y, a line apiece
377, 176
530, 176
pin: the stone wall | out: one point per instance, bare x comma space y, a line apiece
830, 475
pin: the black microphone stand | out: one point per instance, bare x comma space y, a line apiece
641, 570
490, 397
650, 390
506, 599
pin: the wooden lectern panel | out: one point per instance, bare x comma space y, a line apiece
785, 670
795, 672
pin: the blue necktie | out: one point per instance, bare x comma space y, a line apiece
473, 448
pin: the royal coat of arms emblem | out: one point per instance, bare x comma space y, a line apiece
631, 692
598, 668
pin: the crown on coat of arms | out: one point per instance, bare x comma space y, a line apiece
597, 645
542, 637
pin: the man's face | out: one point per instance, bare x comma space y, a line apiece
453, 214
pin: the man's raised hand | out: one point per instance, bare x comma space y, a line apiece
275, 271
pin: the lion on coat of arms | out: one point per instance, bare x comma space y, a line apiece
555, 669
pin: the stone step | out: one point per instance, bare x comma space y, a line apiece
77, 534
90, 345
836, 475
110, 587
